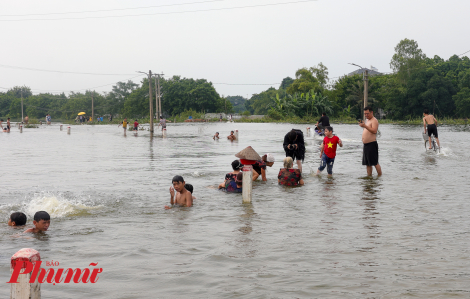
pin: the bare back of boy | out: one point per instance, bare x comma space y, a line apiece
429, 119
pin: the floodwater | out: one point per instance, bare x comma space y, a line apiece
403, 235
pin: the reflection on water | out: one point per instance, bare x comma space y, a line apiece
404, 234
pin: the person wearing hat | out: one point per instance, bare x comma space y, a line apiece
259, 168
236, 185
231, 176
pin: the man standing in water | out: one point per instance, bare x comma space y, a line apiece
431, 121
294, 146
370, 154
323, 122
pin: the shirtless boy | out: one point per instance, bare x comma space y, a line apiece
370, 154
41, 221
182, 197
431, 121
231, 136
216, 136
8, 125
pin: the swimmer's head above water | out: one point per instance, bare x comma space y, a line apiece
237, 165
178, 183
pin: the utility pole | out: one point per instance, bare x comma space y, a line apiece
158, 95
22, 116
149, 75
366, 88
92, 107
365, 77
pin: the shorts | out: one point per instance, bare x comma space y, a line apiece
432, 129
326, 162
136, 128
370, 154
8, 127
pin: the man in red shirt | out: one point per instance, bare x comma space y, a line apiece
328, 151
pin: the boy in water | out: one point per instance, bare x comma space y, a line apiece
8, 125
17, 219
123, 124
183, 197
136, 125
216, 136
431, 121
162, 122
328, 151
231, 136
41, 221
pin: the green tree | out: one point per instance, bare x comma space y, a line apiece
304, 82
321, 74
462, 102
286, 82
407, 59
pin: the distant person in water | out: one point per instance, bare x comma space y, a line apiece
288, 176
162, 122
236, 166
220, 119
323, 122
231, 136
294, 146
41, 222
48, 119
17, 219
26, 119
123, 124
216, 136
235, 186
136, 125
328, 151
259, 168
8, 125
431, 123
182, 197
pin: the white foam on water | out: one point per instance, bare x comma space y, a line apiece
445, 151
56, 205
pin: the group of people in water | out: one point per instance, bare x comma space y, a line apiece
41, 221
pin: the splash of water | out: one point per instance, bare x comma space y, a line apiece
57, 206
445, 151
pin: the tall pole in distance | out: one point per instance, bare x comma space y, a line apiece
22, 116
160, 112
149, 75
156, 98
366, 89
150, 102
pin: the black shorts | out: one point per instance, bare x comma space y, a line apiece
370, 154
295, 155
432, 129
136, 128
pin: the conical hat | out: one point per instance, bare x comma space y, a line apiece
248, 154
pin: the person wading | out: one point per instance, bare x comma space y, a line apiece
370, 154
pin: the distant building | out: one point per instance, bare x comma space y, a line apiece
372, 71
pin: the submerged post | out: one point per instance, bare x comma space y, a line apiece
68, 130
61, 127
247, 183
308, 131
23, 289
236, 134
21, 129
248, 157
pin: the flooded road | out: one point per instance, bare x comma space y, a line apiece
403, 235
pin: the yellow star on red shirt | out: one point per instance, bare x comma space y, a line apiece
330, 145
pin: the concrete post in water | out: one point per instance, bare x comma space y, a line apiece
308, 131
21, 129
248, 157
40, 122
164, 132
68, 130
247, 183
23, 289
236, 134
61, 127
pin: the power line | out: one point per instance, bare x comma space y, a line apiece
164, 13
464, 53
106, 10
62, 72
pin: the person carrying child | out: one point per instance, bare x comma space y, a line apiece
235, 186
328, 151
183, 197
41, 222
17, 219
236, 166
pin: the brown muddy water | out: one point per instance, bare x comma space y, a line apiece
403, 235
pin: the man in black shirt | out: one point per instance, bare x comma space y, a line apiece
294, 146
323, 122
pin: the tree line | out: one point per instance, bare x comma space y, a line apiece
417, 82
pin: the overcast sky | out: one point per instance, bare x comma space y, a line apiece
252, 45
